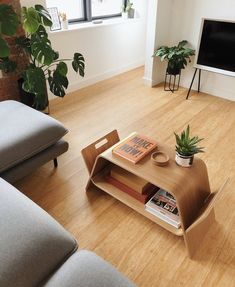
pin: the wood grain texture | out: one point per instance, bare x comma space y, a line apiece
142, 250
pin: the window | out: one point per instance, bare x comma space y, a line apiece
73, 8
87, 10
100, 8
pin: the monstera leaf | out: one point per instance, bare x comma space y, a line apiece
8, 27
24, 43
78, 64
31, 20
41, 47
34, 81
44, 15
58, 82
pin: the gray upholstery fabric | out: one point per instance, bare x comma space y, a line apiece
22, 169
85, 269
24, 133
32, 244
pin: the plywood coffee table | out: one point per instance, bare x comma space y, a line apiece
189, 186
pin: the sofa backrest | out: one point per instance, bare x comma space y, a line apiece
32, 243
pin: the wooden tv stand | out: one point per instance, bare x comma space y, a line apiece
189, 186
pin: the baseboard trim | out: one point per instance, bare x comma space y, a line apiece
103, 76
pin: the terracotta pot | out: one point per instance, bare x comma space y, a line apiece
184, 160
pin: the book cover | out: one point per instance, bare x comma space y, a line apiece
140, 197
164, 202
135, 182
135, 147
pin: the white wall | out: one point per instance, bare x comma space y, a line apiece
108, 49
185, 17
187, 21
158, 33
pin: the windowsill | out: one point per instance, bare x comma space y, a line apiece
88, 25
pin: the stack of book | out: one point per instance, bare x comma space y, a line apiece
163, 205
131, 184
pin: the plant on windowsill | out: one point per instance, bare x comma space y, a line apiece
176, 56
127, 10
45, 65
186, 148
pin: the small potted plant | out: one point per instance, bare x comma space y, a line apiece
186, 148
127, 10
176, 56
64, 21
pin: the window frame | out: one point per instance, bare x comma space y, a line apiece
87, 12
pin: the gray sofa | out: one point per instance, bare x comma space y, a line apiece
28, 140
35, 250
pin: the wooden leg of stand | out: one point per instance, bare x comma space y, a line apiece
55, 162
191, 83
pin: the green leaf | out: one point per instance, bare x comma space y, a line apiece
45, 17
24, 43
41, 47
34, 81
31, 20
58, 82
78, 64
8, 20
4, 49
62, 68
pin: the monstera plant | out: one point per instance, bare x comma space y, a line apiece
45, 65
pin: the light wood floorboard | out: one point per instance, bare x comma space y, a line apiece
143, 251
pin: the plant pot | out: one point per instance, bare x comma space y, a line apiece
25, 98
184, 160
30, 99
131, 13
173, 71
65, 24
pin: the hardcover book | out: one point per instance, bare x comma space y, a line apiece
140, 197
133, 181
135, 147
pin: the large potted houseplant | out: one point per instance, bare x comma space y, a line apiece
45, 65
176, 56
186, 147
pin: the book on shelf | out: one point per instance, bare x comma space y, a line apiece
135, 147
138, 196
163, 205
133, 181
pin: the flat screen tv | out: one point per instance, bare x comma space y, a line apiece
216, 47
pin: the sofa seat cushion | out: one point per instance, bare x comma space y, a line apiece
85, 269
32, 243
24, 133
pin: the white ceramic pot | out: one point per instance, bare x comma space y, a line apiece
184, 161
65, 24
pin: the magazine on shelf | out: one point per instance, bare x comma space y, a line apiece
163, 205
135, 147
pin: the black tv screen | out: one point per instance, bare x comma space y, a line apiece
217, 46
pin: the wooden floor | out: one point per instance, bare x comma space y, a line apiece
143, 251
